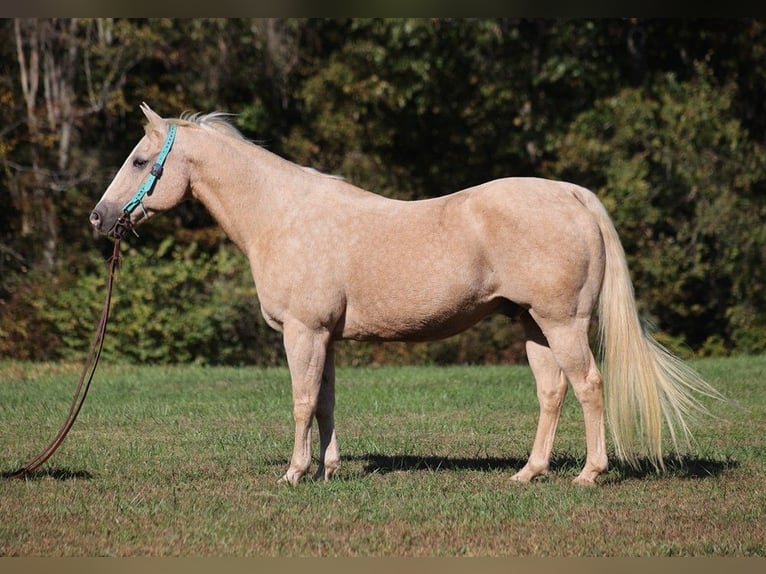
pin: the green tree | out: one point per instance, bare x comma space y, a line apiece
685, 185
69, 71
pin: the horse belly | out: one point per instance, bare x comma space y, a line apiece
416, 310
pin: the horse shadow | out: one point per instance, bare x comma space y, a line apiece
684, 467
56, 473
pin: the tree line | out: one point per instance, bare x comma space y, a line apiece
663, 119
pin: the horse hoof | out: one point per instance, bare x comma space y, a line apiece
520, 478
584, 482
528, 474
324, 474
290, 478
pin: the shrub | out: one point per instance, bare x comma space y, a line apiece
175, 304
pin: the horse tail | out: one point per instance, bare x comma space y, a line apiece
646, 384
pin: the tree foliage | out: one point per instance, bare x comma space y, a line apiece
685, 185
662, 118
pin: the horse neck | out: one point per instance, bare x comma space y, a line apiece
241, 185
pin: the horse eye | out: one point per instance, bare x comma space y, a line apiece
139, 162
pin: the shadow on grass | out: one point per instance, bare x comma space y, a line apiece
383, 464
685, 466
54, 473
689, 467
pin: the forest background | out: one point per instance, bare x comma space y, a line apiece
662, 118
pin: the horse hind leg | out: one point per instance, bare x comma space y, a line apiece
551, 391
568, 342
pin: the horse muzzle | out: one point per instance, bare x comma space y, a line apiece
118, 228
96, 220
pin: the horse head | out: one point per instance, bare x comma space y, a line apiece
150, 181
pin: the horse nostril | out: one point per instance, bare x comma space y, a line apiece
95, 220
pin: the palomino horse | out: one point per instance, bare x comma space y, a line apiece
331, 261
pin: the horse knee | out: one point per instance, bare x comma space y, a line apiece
303, 412
551, 399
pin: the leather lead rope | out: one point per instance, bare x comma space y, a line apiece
89, 369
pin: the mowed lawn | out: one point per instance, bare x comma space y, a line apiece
184, 461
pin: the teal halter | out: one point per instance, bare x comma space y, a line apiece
148, 185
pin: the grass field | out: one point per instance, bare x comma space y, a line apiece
184, 461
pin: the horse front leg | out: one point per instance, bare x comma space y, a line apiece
329, 458
306, 351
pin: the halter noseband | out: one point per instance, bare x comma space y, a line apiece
148, 185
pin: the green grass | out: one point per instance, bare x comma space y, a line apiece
184, 461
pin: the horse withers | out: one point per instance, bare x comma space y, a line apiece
331, 261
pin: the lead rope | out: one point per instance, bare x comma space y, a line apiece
89, 369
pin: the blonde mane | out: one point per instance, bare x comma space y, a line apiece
218, 121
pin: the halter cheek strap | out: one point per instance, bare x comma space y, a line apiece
148, 185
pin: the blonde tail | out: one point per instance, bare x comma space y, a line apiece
645, 384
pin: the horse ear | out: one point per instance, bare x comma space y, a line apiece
154, 119
157, 126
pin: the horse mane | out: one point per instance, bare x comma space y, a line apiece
218, 121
